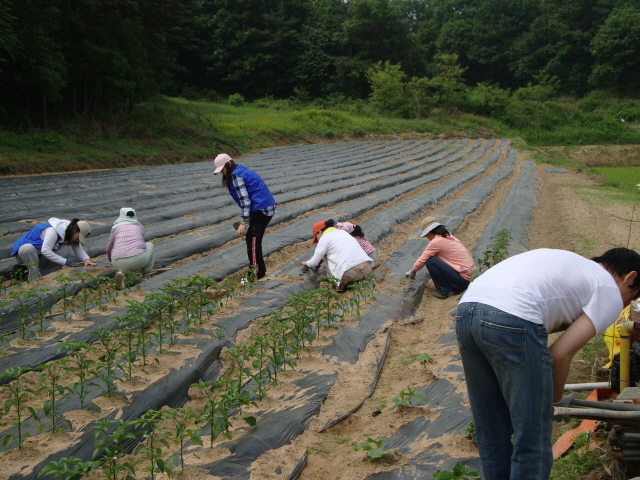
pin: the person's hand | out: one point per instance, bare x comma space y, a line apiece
70, 263
410, 274
89, 263
240, 230
565, 402
304, 264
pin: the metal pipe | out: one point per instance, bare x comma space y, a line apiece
625, 329
586, 386
620, 407
596, 413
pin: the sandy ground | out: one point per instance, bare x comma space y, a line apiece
572, 213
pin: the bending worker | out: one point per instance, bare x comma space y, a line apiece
513, 377
50, 243
254, 198
449, 263
346, 260
126, 249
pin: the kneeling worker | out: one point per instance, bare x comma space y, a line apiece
346, 260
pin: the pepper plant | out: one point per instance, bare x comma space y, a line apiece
79, 365
50, 379
19, 395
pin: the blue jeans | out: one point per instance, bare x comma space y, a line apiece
444, 277
507, 366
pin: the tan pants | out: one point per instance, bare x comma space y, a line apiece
357, 273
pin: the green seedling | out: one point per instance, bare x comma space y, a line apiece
132, 279
328, 302
22, 299
111, 446
156, 305
151, 446
129, 344
50, 381
44, 307
496, 251
374, 449
471, 432
408, 398
424, 359
109, 341
259, 368
181, 431
67, 468
137, 317
80, 366
18, 396
215, 412
64, 290
86, 280
459, 472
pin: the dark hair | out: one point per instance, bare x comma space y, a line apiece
440, 230
71, 229
226, 171
131, 213
357, 231
620, 261
328, 224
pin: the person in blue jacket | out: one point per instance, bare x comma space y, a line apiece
52, 243
254, 198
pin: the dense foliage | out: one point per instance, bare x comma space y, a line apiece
79, 58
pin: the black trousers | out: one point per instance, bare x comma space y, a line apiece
258, 222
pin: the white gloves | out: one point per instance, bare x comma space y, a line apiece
410, 274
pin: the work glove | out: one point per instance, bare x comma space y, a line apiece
70, 263
565, 402
410, 274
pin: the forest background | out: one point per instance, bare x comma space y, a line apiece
103, 83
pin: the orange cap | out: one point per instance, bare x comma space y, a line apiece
316, 229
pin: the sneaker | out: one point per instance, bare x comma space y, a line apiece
119, 281
442, 296
341, 287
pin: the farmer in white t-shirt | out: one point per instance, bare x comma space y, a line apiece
346, 260
513, 378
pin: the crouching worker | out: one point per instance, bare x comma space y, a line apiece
449, 263
356, 232
346, 260
52, 243
126, 249
513, 378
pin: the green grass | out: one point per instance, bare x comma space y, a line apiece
622, 178
175, 130
577, 462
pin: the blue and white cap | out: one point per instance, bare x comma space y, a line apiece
429, 228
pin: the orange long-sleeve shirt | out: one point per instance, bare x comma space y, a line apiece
450, 250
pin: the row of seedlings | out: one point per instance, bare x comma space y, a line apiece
281, 338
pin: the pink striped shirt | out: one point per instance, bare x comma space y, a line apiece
126, 241
366, 245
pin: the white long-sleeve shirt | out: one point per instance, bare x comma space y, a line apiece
342, 252
52, 242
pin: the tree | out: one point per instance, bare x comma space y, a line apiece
8, 39
387, 88
615, 50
